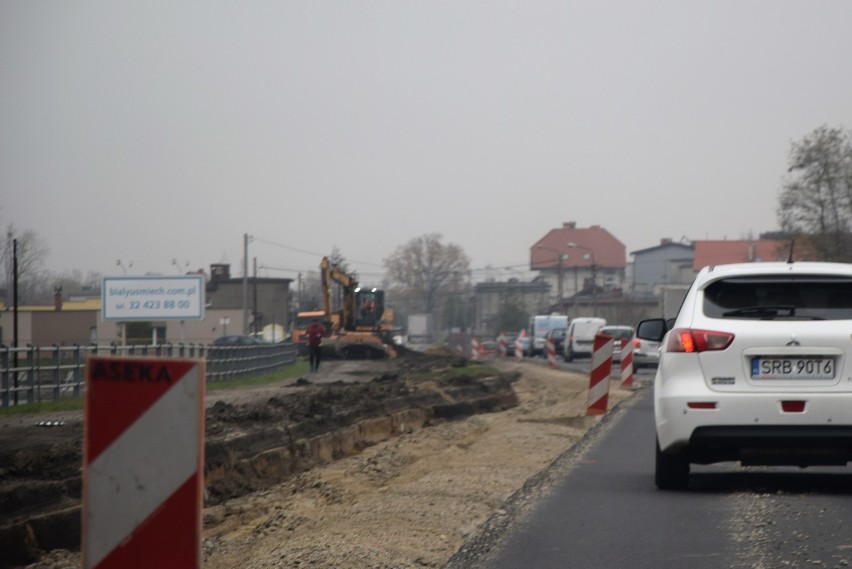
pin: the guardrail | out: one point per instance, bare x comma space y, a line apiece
34, 374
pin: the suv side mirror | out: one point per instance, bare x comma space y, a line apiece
652, 330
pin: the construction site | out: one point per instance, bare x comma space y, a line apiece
368, 463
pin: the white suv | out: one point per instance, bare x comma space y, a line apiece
756, 368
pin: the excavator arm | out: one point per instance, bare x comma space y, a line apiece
330, 272
346, 331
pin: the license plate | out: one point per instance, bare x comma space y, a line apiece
792, 368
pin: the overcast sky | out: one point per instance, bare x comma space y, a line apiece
159, 130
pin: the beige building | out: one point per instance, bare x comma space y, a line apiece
69, 322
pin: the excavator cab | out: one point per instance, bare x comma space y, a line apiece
369, 308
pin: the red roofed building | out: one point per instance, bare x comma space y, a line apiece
576, 259
708, 253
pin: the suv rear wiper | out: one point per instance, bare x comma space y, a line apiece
769, 310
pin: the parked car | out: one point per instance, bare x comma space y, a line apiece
645, 353
488, 348
558, 336
754, 369
580, 339
238, 341
619, 333
522, 340
510, 343
538, 328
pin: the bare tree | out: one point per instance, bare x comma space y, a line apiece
310, 295
816, 199
31, 253
429, 268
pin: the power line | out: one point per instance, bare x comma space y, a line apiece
485, 269
315, 253
288, 247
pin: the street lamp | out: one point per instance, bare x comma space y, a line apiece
591, 254
123, 268
179, 269
560, 259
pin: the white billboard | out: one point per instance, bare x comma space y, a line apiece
153, 298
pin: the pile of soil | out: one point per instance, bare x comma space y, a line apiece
255, 438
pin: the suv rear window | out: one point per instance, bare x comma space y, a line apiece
780, 298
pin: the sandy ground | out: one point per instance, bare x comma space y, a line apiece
411, 501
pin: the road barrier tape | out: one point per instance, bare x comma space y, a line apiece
551, 353
143, 462
599, 376
627, 362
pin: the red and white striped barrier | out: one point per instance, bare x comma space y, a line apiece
501, 342
599, 377
551, 353
627, 362
143, 462
474, 349
519, 350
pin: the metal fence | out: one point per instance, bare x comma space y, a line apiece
34, 374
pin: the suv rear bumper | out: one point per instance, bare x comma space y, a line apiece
772, 445
756, 430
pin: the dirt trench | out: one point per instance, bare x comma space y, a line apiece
255, 439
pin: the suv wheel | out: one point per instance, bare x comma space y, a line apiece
672, 471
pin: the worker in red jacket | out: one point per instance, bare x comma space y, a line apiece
315, 333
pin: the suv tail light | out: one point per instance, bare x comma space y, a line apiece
695, 341
637, 343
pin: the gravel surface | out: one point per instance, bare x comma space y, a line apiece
411, 502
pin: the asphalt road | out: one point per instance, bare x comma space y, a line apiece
606, 513
583, 365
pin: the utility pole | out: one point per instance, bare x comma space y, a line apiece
576, 291
245, 283
254, 293
561, 278
15, 314
594, 286
560, 275
591, 254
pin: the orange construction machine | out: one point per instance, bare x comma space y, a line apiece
363, 327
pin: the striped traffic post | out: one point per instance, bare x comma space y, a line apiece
627, 362
519, 351
551, 353
474, 348
143, 462
599, 377
501, 342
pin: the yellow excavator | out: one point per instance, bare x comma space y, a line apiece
363, 326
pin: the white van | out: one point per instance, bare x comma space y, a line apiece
580, 339
539, 327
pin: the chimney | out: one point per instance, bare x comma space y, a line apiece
666, 241
569, 225
57, 298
